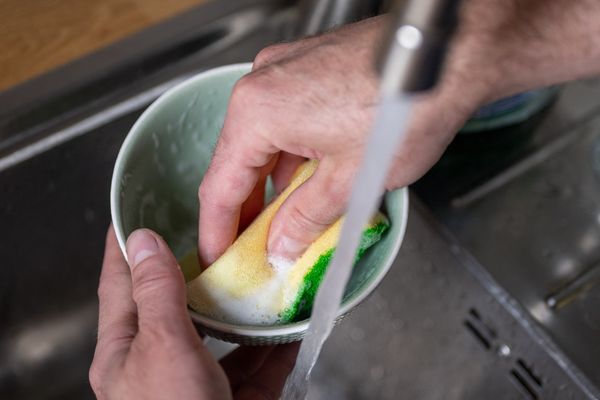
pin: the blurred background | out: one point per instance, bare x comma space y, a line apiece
495, 293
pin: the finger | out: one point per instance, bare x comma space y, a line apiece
310, 210
268, 381
233, 174
117, 314
117, 319
271, 54
158, 287
281, 51
243, 362
253, 205
284, 170
256, 201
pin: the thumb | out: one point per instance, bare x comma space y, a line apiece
310, 210
158, 285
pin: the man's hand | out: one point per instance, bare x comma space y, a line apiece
315, 98
147, 346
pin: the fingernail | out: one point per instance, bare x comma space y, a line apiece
141, 245
286, 247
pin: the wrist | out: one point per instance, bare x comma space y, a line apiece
519, 46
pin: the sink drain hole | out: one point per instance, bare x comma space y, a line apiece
525, 388
478, 335
530, 373
478, 328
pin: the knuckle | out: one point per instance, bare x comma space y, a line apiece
250, 91
332, 191
267, 54
300, 220
96, 378
106, 287
204, 191
107, 331
223, 198
102, 291
153, 277
209, 190
244, 90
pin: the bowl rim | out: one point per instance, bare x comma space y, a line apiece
243, 330
134, 132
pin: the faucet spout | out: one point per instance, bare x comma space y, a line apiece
414, 49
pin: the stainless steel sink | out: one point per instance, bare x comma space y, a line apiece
444, 324
59, 137
534, 223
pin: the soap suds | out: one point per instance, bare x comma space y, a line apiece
280, 264
260, 308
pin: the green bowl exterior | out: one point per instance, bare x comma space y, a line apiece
157, 174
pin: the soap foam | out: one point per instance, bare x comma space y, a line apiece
280, 264
259, 308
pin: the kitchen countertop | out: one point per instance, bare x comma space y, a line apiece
37, 36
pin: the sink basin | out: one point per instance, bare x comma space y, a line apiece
467, 311
534, 223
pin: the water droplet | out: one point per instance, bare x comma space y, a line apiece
148, 201
182, 167
503, 350
158, 164
125, 179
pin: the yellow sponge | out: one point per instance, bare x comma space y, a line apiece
243, 286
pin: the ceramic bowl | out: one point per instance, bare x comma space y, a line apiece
155, 184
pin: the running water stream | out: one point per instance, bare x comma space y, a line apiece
389, 127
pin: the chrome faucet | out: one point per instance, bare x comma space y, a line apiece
415, 46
